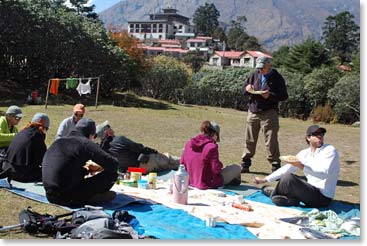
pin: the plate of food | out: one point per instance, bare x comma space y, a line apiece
256, 92
288, 158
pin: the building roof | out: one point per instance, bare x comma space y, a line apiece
169, 41
195, 40
171, 45
255, 53
230, 54
204, 37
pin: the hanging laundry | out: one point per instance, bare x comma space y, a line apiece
84, 88
71, 83
54, 89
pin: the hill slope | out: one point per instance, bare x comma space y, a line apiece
273, 22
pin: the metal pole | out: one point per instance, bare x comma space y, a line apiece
48, 88
97, 92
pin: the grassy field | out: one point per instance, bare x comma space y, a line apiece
167, 127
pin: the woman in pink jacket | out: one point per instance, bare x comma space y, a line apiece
201, 160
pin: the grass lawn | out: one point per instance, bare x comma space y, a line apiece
166, 127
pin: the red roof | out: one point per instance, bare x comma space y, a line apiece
196, 40
176, 50
171, 45
203, 37
230, 54
169, 41
255, 53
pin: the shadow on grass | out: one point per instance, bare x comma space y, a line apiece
346, 183
349, 162
131, 100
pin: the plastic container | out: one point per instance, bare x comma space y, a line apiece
152, 180
180, 185
143, 184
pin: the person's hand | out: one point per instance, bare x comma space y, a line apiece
249, 87
266, 94
258, 180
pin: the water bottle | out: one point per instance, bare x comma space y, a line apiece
180, 185
136, 225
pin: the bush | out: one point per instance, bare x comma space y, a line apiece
324, 114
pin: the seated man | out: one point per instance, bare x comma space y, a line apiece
67, 179
8, 128
132, 154
319, 163
68, 124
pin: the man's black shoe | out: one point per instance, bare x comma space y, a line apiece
284, 201
235, 182
275, 167
245, 169
267, 190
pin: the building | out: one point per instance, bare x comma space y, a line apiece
166, 25
236, 58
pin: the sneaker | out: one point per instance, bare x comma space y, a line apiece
246, 163
275, 167
267, 190
102, 197
284, 201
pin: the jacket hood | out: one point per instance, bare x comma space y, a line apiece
197, 143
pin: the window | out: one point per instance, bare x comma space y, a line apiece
132, 28
154, 28
160, 28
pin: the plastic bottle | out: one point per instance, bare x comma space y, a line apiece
180, 185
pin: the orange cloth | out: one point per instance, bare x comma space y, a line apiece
54, 89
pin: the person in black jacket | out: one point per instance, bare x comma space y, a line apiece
266, 88
26, 151
67, 177
133, 154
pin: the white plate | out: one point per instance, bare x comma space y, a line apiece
257, 92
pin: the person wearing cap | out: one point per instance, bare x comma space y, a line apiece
8, 123
133, 154
26, 151
320, 165
68, 176
201, 160
266, 88
68, 124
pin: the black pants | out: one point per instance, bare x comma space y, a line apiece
296, 188
79, 196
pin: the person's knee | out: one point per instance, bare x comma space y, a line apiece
287, 179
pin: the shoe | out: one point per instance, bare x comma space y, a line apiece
284, 201
235, 182
267, 190
275, 167
246, 163
245, 169
102, 197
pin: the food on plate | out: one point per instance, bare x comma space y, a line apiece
288, 158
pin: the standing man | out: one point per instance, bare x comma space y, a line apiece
68, 124
266, 88
8, 128
319, 163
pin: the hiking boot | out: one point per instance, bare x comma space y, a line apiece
275, 166
102, 197
284, 201
246, 163
235, 182
267, 190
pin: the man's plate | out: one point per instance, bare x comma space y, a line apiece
288, 158
256, 92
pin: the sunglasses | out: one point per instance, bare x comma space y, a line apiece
17, 118
315, 134
79, 115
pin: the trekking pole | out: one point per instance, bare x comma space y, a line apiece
5, 228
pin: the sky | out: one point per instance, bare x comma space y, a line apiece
103, 4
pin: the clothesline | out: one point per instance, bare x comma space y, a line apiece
68, 79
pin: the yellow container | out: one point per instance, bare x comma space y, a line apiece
152, 180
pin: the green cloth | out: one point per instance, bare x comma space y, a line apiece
71, 83
6, 136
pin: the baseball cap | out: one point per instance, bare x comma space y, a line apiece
79, 108
42, 118
15, 110
86, 126
313, 129
214, 126
261, 61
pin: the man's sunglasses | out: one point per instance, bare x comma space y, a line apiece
315, 134
79, 115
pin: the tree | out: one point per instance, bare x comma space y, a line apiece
195, 60
238, 39
206, 19
81, 8
345, 96
341, 35
306, 57
280, 56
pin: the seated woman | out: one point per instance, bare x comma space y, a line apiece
201, 159
26, 151
132, 154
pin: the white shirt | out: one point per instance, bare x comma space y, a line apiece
65, 127
321, 168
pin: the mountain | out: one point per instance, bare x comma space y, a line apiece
273, 22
